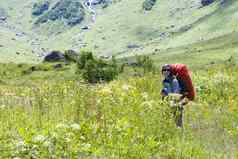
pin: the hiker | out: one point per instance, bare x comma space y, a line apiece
177, 81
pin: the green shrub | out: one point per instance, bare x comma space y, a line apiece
95, 70
90, 72
145, 63
71, 55
84, 57
148, 4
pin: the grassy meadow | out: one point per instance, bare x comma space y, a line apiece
60, 116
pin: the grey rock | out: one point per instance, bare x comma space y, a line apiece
57, 66
133, 46
206, 2
54, 56
85, 28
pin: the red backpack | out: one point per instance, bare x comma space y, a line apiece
182, 73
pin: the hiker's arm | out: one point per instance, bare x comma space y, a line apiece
184, 94
184, 102
183, 99
164, 93
165, 90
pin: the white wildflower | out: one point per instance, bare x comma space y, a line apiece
62, 126
221, 78
145, 95
20, 144
126, 87
67, 139
39, 138
75, 126
54, 135
87, 145
46, 144
98, 101
82, 138
148, 104
2, 106
105, 91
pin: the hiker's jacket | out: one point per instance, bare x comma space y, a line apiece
182, 74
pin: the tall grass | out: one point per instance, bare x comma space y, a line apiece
123, 119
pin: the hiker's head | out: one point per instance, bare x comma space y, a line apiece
166, 70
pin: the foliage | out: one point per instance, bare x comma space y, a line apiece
71, 12
95, 70
146, 63
148, 4
71, 55
84, 57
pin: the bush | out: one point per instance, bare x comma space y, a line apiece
95, 70
71, 56
85, 56
145, 63
148, 4
90, 72
40, 7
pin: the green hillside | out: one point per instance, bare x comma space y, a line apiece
165, 27
123, 29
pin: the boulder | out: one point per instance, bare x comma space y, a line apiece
85, 28
148, 4
3, 18
96, 2
3, 15
133, 46
206, 2
54, 56
58, 66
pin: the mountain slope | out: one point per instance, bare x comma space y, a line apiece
123, 28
